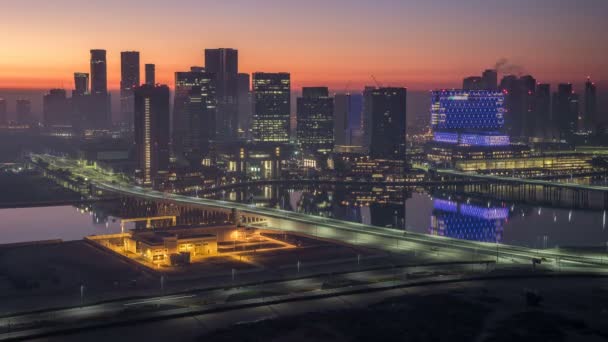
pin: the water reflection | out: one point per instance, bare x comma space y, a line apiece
467, 221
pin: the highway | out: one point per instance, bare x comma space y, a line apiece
392, 240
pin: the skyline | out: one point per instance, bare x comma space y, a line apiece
406, 50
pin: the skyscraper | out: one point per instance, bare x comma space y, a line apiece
519, 104
151, 131
342, 108
366, 116
99, 72
56, 110
185, 81
490, 79
129, 79
272, 101
3, 113
200, 109
244, 104
315, 129
24, 112
224, 63
388, 123
544, 121
150, 74
81, 83
591, 115
565, 110
98, 115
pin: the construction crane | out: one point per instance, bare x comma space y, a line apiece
376, 81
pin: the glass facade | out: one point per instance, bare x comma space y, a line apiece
271, 115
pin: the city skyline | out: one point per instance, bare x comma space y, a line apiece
340, 48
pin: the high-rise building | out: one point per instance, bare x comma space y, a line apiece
591, 115
129, 79
224, 63
3, 113
81, 83
519, 104
98, 115
24, 112
185, 81
473, 83
244, 105
200, 108
342, 108
151, 131
272, 104
490, 79
99, 72
315, 129
544, 121
366, 115
565, 110
388, 123
150, 74
56, 110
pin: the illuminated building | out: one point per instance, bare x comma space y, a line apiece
56, 110
315, 129
272, 107
24, 112
171, 247
388, 108
150, 70
252, 160
151, 131
3, 113
467, 222
129, 79
185, 81
224, 64
591, 113
200, 111
81, 84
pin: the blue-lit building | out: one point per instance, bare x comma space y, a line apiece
469, 124
467, 221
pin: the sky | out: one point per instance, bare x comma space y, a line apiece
422, 44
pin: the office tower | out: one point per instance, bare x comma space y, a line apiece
24, 112
473, 83
366, 116
185, 81
224, 63
315, 129
99, 72
151, 131
272, 101
200, 108
81, 83
544, 121
244, 105
150, 74
388, 123
519, 104
3, 113
490, 79
129, 79
55, 109
565, 110
591, 115
342, 108
468, 117
98, 114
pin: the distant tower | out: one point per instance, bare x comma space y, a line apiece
150, 74
129, 72
56, 111
152, 131
544, 120
342, 108
99, 72
272, 107
224, 63
490, 79
591, 114
81, 83
473, 83
3, 113
244, 104
565, 109
24, 112
388, 123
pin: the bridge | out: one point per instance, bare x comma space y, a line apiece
392, 240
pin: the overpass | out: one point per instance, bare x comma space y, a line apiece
392, 240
